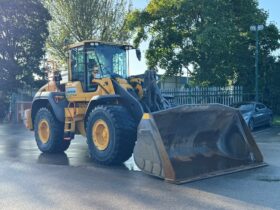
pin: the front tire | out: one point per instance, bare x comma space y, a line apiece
111, 134
49, 132
270, 122
251, 124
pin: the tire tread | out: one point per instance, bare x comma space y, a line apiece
57, 132
125, 134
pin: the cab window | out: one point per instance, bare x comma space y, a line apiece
78, 65
111, 59
92, 70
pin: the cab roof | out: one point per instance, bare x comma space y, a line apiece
126, 45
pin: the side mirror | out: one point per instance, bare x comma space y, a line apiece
138, 54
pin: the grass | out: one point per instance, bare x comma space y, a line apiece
276, 120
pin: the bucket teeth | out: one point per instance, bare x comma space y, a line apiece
187, 143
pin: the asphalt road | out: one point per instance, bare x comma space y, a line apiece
31, 180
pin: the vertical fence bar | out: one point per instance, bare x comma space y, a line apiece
206, 95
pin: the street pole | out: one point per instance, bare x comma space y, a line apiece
257, 66
256, 28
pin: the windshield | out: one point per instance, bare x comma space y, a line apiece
111, 59
244, 106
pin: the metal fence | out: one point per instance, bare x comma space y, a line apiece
205, 95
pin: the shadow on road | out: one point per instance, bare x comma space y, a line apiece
54, 159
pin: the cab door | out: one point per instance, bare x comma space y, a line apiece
78, 72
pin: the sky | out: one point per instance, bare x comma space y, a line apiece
136, 67
272, 7
140, 4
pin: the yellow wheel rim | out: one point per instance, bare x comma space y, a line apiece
44, 131
100, 134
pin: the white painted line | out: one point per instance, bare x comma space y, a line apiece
261, 131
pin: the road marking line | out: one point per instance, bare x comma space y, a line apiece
261, 131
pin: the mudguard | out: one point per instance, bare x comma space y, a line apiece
123, 97
49, 98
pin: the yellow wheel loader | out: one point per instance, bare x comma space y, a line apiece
121, 115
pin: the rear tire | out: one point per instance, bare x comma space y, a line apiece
49, 132
113, 143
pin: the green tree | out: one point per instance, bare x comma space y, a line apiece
23, 31
270, 77
210, 39
269, 42
78, 20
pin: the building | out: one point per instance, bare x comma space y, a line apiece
177, 82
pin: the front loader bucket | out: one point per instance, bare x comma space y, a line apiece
188, 143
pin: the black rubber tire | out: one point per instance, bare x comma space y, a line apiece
251, 124
56, 143
123, 133
270, 121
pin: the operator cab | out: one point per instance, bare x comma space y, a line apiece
95, 60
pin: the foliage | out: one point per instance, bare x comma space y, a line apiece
78, 20
23, 31
209, 39
276, 120
270, 77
